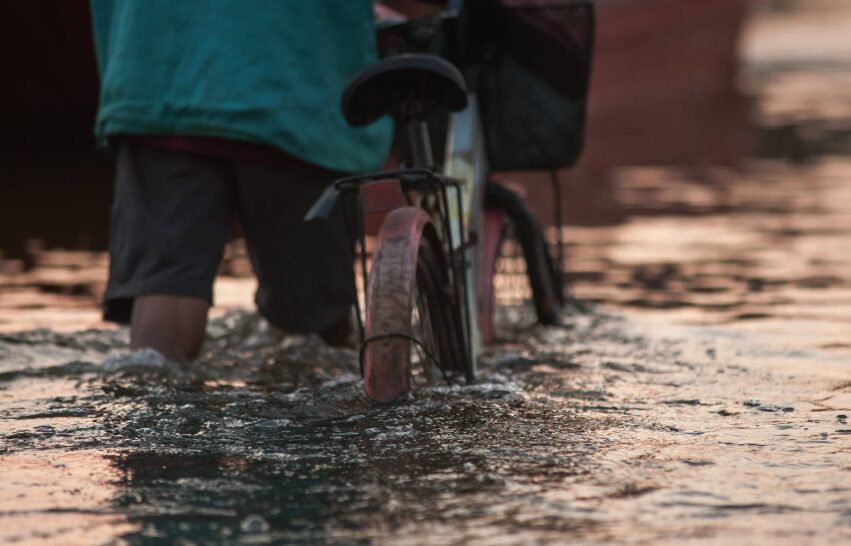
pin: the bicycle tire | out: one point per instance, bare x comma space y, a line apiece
407, 282
544, 278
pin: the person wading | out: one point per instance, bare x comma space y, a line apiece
223, 110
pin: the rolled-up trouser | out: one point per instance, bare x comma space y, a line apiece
171, 217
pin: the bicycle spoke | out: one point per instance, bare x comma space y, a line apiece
423, 369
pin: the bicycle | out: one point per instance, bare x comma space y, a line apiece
428, 296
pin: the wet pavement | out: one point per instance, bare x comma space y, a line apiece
595, 431
704, 398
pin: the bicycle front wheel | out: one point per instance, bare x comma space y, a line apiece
544, 275
412, 327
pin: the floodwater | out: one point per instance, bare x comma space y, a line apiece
702, 398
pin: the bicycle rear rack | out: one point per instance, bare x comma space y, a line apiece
426, 182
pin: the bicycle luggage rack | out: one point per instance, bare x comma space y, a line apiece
422, 180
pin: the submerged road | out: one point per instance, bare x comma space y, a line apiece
592, 432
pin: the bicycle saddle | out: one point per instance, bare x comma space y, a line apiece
398, 84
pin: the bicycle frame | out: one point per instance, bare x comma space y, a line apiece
447, 201
466, 161
458, 209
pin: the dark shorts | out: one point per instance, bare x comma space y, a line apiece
171, 218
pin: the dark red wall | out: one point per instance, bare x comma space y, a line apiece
53, 184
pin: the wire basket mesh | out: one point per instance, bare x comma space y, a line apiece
533, 82
530, 63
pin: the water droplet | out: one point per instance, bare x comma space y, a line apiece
254, 524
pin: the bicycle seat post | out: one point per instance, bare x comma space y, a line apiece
419, 144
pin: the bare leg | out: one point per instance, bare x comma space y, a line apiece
173, 325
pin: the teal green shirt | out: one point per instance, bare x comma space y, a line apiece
264, 71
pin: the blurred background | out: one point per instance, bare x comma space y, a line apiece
715, 186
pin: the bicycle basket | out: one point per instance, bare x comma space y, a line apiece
533, 81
